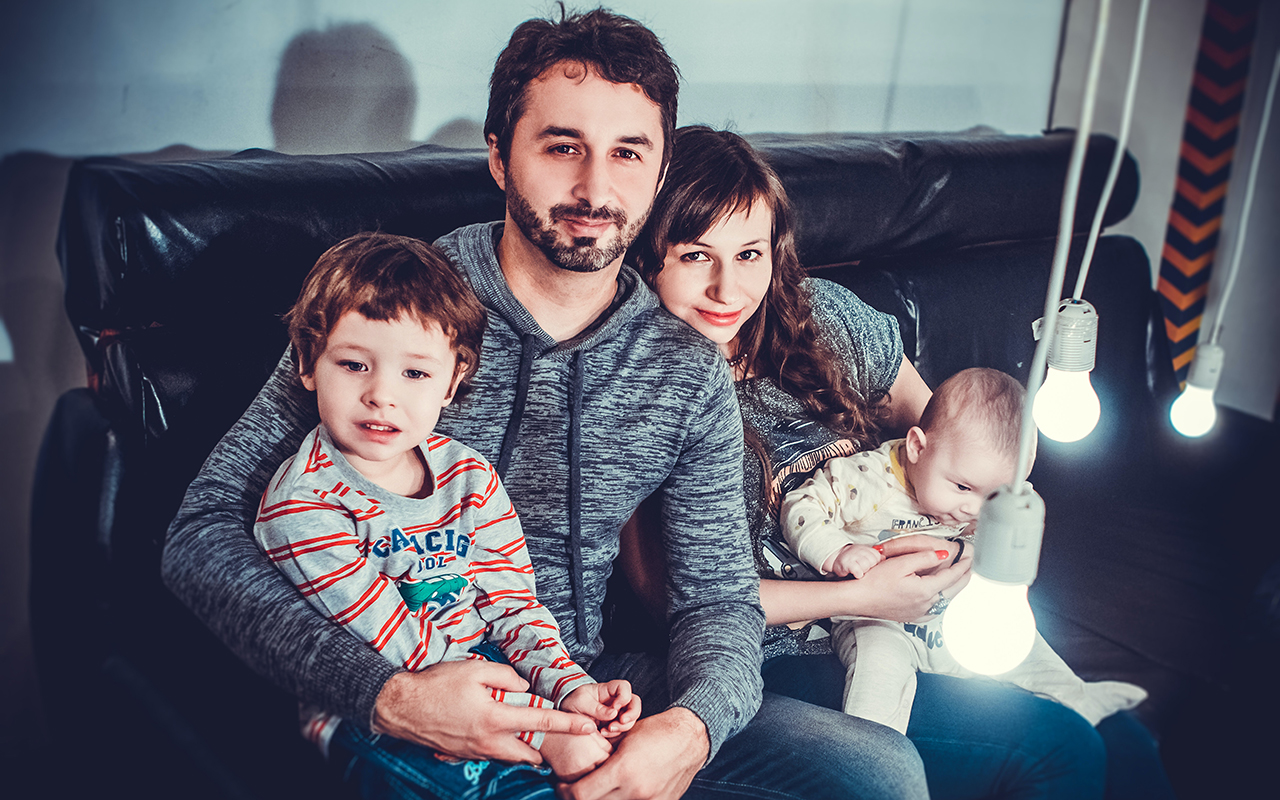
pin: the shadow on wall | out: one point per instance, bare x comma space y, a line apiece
346, 89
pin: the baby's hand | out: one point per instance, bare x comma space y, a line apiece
572, 755
612, 704
855, 560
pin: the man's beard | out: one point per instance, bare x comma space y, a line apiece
582, 255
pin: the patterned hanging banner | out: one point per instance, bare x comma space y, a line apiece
1208, 146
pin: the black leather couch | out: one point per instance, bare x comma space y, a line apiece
176, 274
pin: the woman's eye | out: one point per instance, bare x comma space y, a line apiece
694, 255
750, 255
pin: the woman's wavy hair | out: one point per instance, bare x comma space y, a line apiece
714, 174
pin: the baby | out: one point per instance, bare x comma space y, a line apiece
404, 537
932, 482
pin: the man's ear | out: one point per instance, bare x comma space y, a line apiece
497, 168
915, 443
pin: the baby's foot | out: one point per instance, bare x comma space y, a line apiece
572, 755
1104, 698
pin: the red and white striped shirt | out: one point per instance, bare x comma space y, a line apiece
420, 580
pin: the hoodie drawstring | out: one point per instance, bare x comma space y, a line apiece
528, 348
575, 498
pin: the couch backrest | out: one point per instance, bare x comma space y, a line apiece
177, 272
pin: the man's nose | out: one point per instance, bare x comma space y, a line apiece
594, 185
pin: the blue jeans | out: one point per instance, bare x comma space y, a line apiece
790, 750
386, 767
979, 739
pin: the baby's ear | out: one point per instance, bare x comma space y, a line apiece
915, 443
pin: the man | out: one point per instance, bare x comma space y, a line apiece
589, 398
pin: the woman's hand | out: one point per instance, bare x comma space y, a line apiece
906, 584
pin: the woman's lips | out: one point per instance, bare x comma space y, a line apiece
722, 320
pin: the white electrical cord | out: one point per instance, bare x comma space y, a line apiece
1122, 141
1238, 247
1057, 274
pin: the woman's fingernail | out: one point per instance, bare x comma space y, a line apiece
879, 548
942, 554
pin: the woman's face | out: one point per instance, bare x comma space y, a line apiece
717, 282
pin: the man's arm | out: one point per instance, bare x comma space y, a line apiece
212, 564
716, 623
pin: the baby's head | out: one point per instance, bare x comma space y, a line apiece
966, 445
386, 333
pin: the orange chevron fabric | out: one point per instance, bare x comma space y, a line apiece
1209, 134
1215, 92
1196, 233
1199, 199
1186, 266
1178, 334
1205, 164
1182, 300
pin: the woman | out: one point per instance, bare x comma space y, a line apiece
819, 374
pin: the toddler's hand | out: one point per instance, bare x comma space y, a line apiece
855, 560
611, 704
572, 755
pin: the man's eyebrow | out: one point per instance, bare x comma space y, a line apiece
639, 140
553, 131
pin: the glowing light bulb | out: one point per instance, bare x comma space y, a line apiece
1066, 408
1193, 413
988, 627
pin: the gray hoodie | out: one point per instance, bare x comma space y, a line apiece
581, 432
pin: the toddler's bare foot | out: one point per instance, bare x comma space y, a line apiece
572, 755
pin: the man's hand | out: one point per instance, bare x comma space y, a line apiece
449, 707
656, 760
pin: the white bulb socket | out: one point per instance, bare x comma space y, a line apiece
1010, 530
1206, 367
1075, 336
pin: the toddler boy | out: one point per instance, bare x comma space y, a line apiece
406, 538
932, 482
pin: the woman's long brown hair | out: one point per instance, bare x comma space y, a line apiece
712, 175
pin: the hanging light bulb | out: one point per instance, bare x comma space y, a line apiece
1066, 408
989, 627
1193, 413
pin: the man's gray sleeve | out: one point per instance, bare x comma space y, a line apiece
716, 622
212, 563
